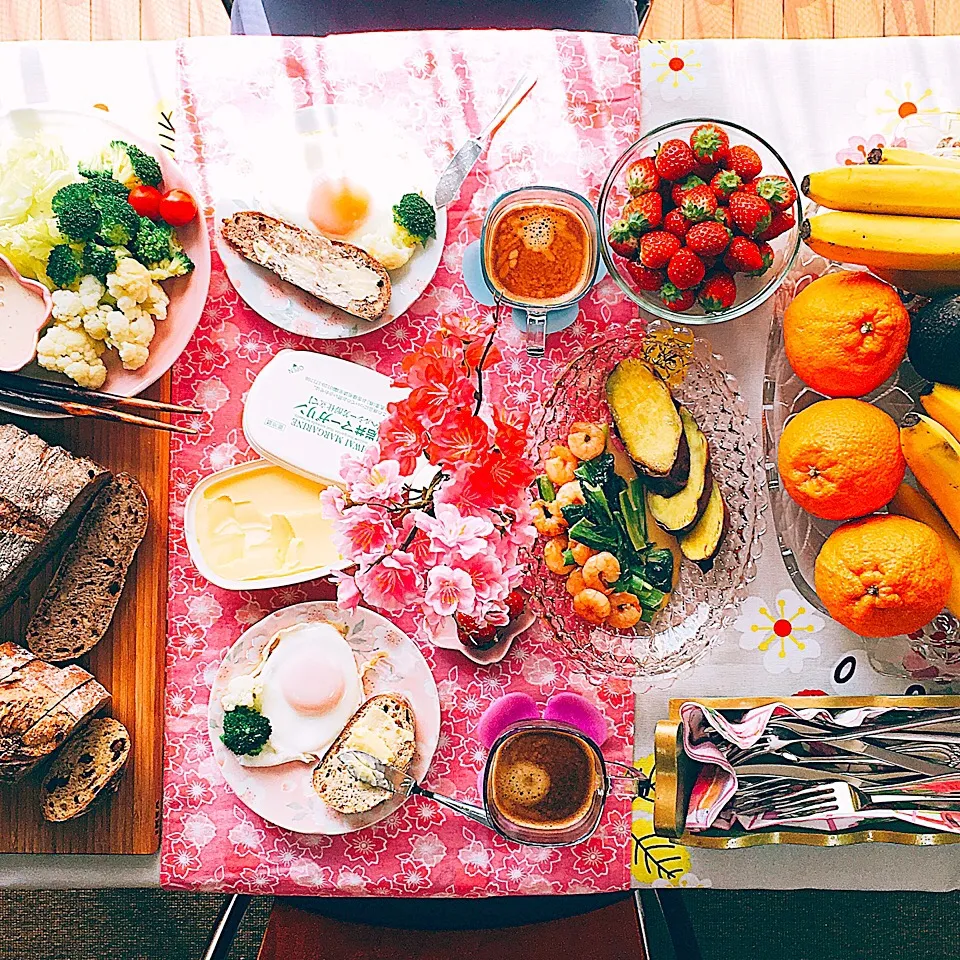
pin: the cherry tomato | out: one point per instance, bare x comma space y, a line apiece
177, 207
145, 200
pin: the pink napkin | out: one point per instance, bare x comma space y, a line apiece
582, 114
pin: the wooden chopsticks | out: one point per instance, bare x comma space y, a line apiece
74, 401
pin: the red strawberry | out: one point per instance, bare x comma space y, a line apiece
642, 176
515, 604
644, 277
778, 191
475, 634
723, 216
743, 256
681, 189
725, 183
673, 298
675, 160
657, 248
745, 161
751, 214
766, 255
781, 222
718, 292
676, 223
685, 269
644, 212
709, 238
706, 171
623, 239
709, 143
698, 204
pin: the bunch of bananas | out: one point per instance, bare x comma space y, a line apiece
898, 214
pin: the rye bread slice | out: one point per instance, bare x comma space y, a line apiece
87, 768
13, 658
29, 694
75, 612
43, 491
336, 785
327, 269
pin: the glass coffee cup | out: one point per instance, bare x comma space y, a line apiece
539, 251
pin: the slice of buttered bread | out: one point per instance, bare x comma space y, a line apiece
337, 273
87, 766
74, 613
383, 727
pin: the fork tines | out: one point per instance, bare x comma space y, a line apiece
787, 803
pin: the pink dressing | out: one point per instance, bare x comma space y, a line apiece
25, 307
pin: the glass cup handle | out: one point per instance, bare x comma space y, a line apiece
536, 333
641, 784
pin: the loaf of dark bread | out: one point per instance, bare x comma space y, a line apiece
43, 492
75, 612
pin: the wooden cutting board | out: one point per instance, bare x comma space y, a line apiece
129, 661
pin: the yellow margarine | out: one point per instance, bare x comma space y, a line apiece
263, 522
377, 733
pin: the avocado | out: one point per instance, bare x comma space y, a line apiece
934, 348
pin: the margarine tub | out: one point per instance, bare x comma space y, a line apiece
257, 525
306, 410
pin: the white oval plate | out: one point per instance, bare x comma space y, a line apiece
284, 794
284, 304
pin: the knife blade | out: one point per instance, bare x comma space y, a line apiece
903, 760
457, 170
376, 773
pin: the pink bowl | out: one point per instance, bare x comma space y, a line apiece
18, 338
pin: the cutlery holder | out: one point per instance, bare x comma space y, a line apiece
676, 773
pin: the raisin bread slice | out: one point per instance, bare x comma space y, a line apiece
79, 604
32, 691
87, 768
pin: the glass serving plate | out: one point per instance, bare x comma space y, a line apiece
703, 603
932, 653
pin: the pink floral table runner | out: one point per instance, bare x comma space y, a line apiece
584, 111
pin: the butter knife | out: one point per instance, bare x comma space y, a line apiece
903, 760
451, 180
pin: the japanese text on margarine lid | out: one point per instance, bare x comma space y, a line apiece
306, 410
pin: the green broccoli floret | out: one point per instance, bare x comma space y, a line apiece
99, 261
119, 221
77, 217
153, 242
245, 731
179, 265
102, 184
145, 168
63, 267
415, 217
124, 162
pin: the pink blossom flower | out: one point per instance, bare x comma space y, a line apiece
450, 531
449, 591
331, 502
384, 482
353, 467
365, 532
392, 583
348, 596
485, 572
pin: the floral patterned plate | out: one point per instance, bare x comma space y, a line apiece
703, 604
284, 794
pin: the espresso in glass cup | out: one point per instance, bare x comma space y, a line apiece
539, 252
544, 784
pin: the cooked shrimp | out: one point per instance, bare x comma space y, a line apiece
548, 523
569, 494
559, 466
624, 611
600, 571
581, 552
592, 606
553, 556
575, 583
587, 440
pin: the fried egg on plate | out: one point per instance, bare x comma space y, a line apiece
308, 686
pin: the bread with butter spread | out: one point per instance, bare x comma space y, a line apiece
385, 728
338, 273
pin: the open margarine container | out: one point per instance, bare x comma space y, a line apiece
257, 525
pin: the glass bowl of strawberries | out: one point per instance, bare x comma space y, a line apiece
701, 218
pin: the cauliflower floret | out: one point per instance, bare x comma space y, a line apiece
130, 284
242, 691
91, 292
97, 322
73, 352
388, 248
130, 334
66, 305
156, 303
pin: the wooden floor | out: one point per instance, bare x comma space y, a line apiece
669, 19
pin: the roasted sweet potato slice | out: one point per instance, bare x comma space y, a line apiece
684, 509
702, 543
646, 419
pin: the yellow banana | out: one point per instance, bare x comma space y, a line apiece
921, 281
933, 454
879, 240
910, 191
901, 156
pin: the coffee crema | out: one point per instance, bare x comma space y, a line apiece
539, 254
544, 779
